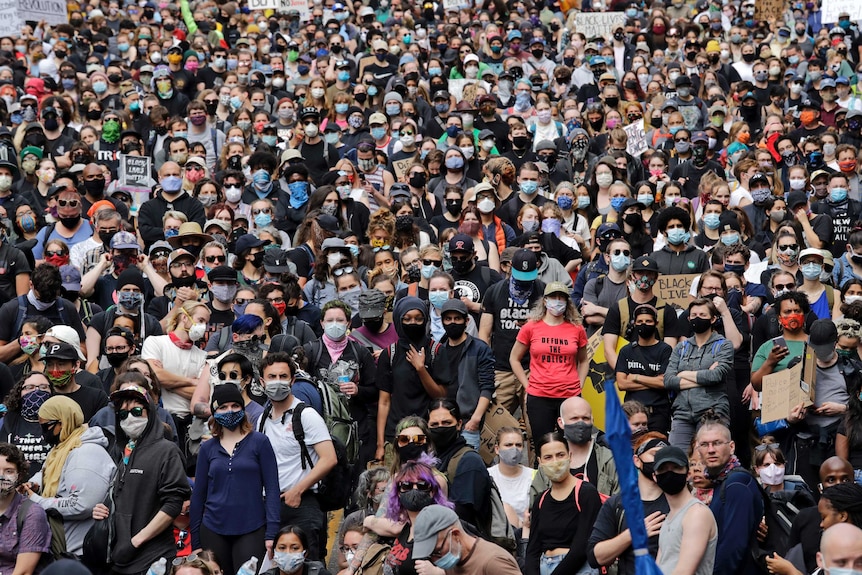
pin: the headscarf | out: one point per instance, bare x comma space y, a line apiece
68, 413
402, 306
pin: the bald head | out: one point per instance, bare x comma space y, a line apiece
573, 410
835, 470
841, 547
170, 169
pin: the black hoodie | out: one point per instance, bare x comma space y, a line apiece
153, 480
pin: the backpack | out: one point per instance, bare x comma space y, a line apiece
61, 310
495, 527
58, 532
333, 491
336, 410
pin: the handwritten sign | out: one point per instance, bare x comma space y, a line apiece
135, 171
830, 9
301, 6
51, 11
455, 5
401, 167
784, 390
592, 24
769, 9
264, 4
10, 24
674, 289
636, 143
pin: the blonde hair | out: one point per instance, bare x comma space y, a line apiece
188, 308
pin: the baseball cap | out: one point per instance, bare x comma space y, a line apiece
556, 287
525, 266
728, 222
455, 305
60, 350
124, 241
796, 198
222, 273
133, 392
372, 304
377, 118
811, 252
645, 264
431, 521
670, 454
461, 243
275, 261
71, 278
247, 242
177, 254
823, 336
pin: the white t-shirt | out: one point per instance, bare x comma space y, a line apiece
514, 490
737, 196
184, 362
287, 450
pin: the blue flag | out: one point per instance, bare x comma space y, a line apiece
618, 435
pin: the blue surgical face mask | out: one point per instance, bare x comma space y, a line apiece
262, 220
438, 298
811, 271
646, 199
529, 187
378, 133
451, 558
617, 204
730, 239
565, 202
620, 262
677, 236
711, 221
343, 75
428, 271
838, 194
583, 202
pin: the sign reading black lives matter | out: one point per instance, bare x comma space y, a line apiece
135, 171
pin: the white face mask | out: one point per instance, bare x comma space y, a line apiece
486, 205
134, 426
197, 331
333, 259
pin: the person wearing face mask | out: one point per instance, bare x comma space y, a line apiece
441, 541
688, 538
100, 283
119, 346
150, 498
463, 369
562, 514
698, 370
178, 363
556, 372
77, 473
511, 476
334, 255
20, 426
236, 522
820, 296
690, 172
842, 209
471, 279
406, 362
375, 333
172, 197
69, 226
290, 554
679, 255
640, 366
169, 95
350, 367
34, 538
611, 539
770, 466
319, 155
300, 505
603, 291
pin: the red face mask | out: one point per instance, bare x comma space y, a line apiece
792, 322
847, 165
280, 307
57, 260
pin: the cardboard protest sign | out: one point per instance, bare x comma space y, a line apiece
135, 171
10, 25
401, 166
830, 9
674, 289
592, 24
496, 418
784, 390
770, 10
636, 143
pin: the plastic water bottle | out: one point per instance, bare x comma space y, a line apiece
249, 567
160, 567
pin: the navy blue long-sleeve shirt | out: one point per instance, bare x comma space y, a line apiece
738, 508
229, 491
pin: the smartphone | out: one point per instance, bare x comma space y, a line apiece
779, 341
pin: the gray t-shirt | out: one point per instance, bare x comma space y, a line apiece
602, 292
830, 386
670, 542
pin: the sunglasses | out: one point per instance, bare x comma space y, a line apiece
194, 168
69, 203
261, 211
406, 486
212, 259
681, 140
404, 440
435, 263
780, 287
232, 375
342, 271
135, 411
56, 254
765, 446
788, 248
210, 101
623, 252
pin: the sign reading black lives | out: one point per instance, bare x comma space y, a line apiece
135, 171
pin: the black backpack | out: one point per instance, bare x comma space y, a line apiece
333, 491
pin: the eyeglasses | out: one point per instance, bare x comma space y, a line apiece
120, 349
435, 263
243, 301
213, 259
708, 444
404, 440
34, 387
178, 265
55, 254
69, 203
405, 486
765, 446
713, 289
135, 411
342, 271
232, 375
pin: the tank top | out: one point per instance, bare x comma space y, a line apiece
670, 541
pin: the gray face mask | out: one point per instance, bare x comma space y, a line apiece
277, 390
511, 455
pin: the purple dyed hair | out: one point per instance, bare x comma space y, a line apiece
418, 470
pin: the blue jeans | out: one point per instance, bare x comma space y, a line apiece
473, 438
548, 564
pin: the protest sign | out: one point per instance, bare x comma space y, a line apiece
496, 417
599, 378
636, 143
52, 12
455, 5
784, 390
830, 9
401, 167
769, 9
592, 24
10, 25
135, 172
674, 288
264, 4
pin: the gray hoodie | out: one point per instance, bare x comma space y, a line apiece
84, 482
711, 392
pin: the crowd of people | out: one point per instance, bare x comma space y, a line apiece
366, 258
